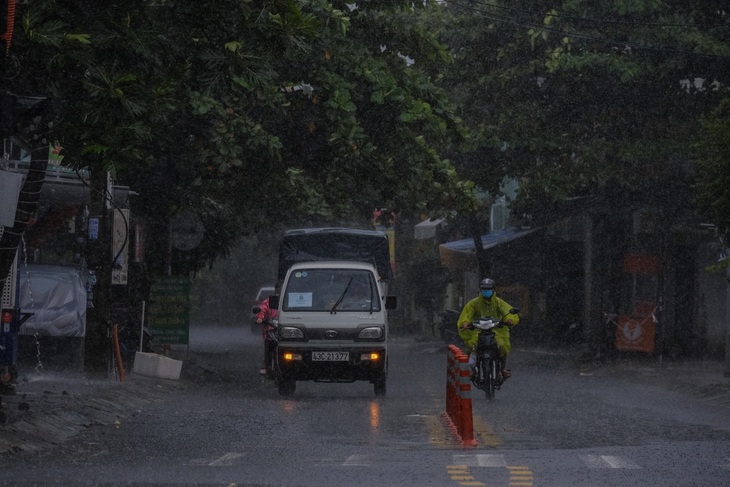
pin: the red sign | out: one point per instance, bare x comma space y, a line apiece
7, 316
642, 264
635, 333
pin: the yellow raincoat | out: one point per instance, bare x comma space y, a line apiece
481, 307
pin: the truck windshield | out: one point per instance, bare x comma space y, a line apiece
331, 290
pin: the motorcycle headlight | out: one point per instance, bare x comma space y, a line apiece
370, 333
291, 333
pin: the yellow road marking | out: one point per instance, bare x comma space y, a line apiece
437, 432
484, 433
461, 475
520, 476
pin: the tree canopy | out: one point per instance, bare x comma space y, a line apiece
247, 112
252, 112
712, 158
574, 97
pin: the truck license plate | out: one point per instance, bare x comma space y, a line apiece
330, 356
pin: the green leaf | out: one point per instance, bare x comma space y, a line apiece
95, 149
232, 46
80, 38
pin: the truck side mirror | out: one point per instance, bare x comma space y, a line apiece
391, 302
274, 301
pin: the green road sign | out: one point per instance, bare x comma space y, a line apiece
169, 314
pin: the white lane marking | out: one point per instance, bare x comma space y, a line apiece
358, 461
480, 460
226, 459
607, 461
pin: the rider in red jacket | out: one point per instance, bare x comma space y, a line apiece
264, 316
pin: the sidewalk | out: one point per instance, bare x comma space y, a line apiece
49, 407
703, 379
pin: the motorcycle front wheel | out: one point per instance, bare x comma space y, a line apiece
490, 376
477, 374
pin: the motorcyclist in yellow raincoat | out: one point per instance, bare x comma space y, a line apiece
487, 305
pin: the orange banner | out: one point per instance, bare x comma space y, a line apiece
635, 333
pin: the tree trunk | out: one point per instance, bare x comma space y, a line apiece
481, 254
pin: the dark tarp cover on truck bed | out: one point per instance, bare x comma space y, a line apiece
316, 244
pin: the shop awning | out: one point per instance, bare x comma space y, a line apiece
461, 250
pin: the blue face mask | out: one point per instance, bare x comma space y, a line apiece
487, 293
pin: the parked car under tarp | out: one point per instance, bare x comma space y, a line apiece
55, 298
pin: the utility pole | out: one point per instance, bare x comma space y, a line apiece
97, 343
481, 254
727, 322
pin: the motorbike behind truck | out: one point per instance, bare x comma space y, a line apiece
333, 313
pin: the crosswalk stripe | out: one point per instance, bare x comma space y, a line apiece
480, 460
226, 459
358, 460
607, 461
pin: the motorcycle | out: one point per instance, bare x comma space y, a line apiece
487, 372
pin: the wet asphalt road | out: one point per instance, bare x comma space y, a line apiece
555, 423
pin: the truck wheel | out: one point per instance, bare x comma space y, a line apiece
380, 387
286, 387
380, 380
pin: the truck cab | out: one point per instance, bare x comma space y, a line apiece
332, 324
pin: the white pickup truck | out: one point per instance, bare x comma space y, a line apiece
333, 316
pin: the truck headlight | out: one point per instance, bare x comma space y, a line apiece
370, 333
291, 333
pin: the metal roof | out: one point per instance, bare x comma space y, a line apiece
489, 240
